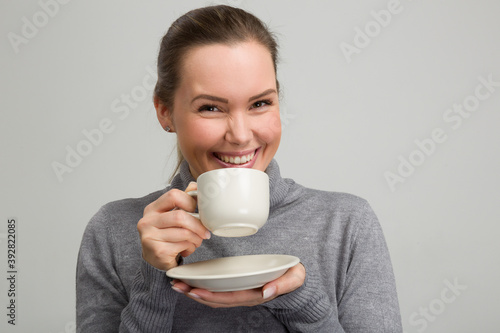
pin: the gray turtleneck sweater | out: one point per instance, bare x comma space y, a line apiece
349, 284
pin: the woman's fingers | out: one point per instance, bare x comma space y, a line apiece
163, 240
164, 255
173, 235
167, 231
191, 187
220, 299
173, 199
287, 283
154, 222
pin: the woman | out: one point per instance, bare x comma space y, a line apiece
217, 90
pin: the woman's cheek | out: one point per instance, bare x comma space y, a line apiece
201, 132
270, 128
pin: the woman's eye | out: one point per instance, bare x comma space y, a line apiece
261, 104
209, 108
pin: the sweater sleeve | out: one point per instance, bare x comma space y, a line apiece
152, 303
102, 302
368, 300
306, 309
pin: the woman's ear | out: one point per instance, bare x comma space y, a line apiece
164, 115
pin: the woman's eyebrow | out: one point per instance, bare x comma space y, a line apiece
225, 100
211, 98
262, 94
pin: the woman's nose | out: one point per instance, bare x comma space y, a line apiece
239, 131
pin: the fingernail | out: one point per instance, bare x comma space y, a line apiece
208, 235
194, 295
269, 292
178, 290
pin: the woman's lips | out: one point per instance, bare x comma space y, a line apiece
242, 159
236, 159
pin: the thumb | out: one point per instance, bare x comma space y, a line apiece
191, 187
293, 278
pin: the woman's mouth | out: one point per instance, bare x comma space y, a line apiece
236, 159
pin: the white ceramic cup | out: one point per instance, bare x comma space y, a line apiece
233, 202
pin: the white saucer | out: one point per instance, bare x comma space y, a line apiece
234, 273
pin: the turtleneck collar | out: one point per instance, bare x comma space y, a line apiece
278, 187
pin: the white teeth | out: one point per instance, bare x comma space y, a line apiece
237, 159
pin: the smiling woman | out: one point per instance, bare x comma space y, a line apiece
220, 111
245, 62
217, 91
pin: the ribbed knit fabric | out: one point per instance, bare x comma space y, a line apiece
349, 284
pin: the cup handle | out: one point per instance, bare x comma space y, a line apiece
193, 194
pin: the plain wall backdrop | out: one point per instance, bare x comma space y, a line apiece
396, 101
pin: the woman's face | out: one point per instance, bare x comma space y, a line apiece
226, 109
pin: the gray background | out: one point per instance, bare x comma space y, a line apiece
348, 120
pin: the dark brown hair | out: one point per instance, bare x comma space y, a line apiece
205, 26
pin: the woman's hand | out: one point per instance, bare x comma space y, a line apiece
288, 282
167, 232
